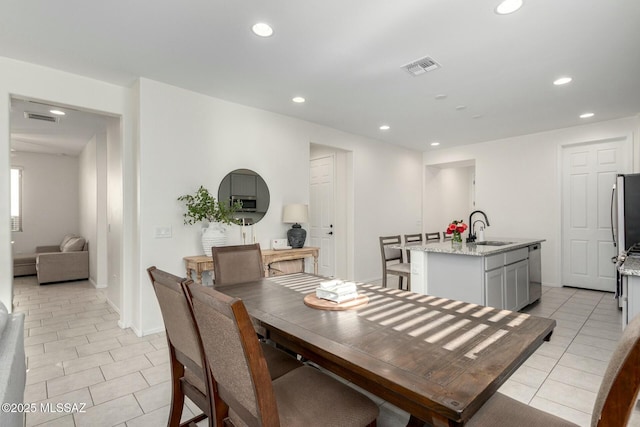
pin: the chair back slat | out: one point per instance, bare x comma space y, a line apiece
619, 388
237, 264
432, 237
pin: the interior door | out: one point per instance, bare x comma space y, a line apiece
588, 174
321, 212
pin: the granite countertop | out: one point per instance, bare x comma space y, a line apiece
471, 248
630, 267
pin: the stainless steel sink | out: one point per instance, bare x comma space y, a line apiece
492, 243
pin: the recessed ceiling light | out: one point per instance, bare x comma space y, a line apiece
435, 144
298, 99
586, 115
562, 81
461, 107
263, 30
508, 6
57, 112
477, 116
440, 96
385, 127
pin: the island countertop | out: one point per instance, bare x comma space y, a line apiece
472, 249
630, 267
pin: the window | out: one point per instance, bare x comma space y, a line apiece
16, 199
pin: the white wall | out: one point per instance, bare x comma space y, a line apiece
518, 183
188, 140
42, 83
50, 200
114, 210
447, 196
93, 225
88, 184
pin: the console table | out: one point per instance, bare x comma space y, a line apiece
201, 263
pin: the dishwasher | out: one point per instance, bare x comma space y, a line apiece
535, 273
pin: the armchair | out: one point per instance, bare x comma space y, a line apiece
69, 261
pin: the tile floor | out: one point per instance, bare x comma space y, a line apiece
76, 353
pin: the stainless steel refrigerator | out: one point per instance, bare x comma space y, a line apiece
625, 223
625, 203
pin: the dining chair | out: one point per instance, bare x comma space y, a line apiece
302, 397
394, 256
615, 400
432, 237
237, 264
412, 239
446, 236
185, 352
186, 355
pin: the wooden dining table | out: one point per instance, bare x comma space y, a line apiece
438, 359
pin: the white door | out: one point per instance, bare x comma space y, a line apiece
321, 213
588, 175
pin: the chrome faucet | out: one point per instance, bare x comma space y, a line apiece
472, 235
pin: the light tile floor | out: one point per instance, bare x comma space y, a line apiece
76, 353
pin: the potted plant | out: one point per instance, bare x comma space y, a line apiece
202, 206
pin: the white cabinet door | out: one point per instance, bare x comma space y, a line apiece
510, 280
493, 287
522, 284
633, 298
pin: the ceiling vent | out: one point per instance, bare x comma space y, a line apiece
38, 116
421, 66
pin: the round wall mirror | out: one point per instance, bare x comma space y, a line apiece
249, 188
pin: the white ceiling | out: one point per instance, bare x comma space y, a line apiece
68, 136
345, 58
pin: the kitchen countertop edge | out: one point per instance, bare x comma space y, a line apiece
630, 267
471, 249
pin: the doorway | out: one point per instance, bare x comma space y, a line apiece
588, 173
449, 194
331, 210
72, 182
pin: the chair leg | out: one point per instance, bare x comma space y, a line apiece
400, 282
384, 278
177, 397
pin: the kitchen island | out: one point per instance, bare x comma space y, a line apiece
494, 273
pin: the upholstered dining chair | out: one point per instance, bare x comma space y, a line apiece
302, 397
186, 355
237, 264
412, 239
432, 237
185, 352
392, 262
615, 400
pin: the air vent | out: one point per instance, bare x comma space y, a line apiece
38, 116
421, 66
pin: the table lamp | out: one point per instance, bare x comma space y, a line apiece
295, 214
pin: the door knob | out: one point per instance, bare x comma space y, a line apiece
331, 232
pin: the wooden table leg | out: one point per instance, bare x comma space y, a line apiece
315, 265
199, 276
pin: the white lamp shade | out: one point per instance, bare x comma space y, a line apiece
296, 213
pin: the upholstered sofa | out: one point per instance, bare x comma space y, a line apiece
60, 263
13, 370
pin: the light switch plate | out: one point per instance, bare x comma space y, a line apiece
163, 232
